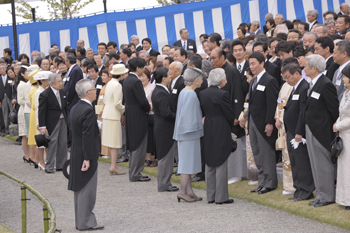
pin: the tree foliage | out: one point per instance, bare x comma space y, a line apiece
169, 2
57, 9
5, 1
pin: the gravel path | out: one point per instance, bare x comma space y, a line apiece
122, 206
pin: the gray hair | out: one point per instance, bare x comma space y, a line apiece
105, 61
311, 33
216, 76
162, 56
207, 66
281, 16
178, 65
90, 49
281, 28
52, 77
136, 37
256, 23
34, 51
182, 30
144, 51
329, 22
51, 50
269, 16
315, 60
42, 55
313, 13
262, 37
82, 87
190, 76
2, 64
325, 29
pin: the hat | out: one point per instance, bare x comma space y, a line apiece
32, 70
119, 69
23, 66
41, 140
197, 70
42, 75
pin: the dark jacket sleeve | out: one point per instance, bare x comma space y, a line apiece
42, 109
227, 109
140, 96
271, 99
75, 76
89, 121
331, 101
237, 98
300, 127
164, 108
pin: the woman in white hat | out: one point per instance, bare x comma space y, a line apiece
42, 78
111, 115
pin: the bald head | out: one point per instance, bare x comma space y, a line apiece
344, 8
80, 43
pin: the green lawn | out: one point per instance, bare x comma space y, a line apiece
4, 229
333, 214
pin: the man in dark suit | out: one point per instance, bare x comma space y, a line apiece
270, 68
74, 74
53, 120
98, 60
5, 97
341, 56
295, 127
136, 41
177, 81
324, 46
184, 42
312, 16
136, 118
344, 9
321, 112
86, 145
239, 52
180, 55
164, 122
147, 46
96, 80
263, 134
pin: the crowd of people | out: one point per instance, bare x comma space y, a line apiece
224, 110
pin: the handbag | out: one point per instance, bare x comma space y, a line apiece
13, 115
336, 146
280, 141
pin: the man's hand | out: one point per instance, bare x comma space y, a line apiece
43, 131
0, 105
236, 122
14, 101
123, 119
268, 129
278, 124
298, 137
86, 165
242, 122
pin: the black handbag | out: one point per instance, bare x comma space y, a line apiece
336, 146
13, 116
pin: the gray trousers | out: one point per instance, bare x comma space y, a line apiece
216, 183
165, 169
322, 168
137, 161
6, 108
57, 149
264, 156
84, 203
237, 161
123, 149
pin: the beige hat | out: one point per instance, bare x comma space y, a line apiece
42, 75
119, 69
32, 68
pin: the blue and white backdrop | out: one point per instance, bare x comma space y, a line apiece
160, 24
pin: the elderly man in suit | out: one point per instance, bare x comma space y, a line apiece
5, 97
295, 127
312, 16
86, 145
341, 57
263, 134
185, 42
321, 112
255, 28
164, 122
177, 81
74, 74
53, 120
136, 118
96, 79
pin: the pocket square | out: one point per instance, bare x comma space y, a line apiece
64, 96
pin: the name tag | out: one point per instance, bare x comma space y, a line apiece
338, 82
245, 73
190, 47
101, 97
98, 86
174, 91
260, 87
315, 95
66, 79
295, 97
9, 81
347, 102
246, 105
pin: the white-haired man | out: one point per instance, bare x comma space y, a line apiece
312, 18
136, 41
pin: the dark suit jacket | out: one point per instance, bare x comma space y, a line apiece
262, 106
164, 120
184, 67
293, 111
313, 25
274, 71
265, 29
190, 45
320, 114
100, 72
245, 84
219, 117
175, 92
7, 89
138, 49
86, 144
99, 84
153, 53
69, 87
49, 109
136, 111
331, 67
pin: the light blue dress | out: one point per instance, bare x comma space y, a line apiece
188, 131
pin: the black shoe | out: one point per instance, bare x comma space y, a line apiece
49, 172
229, 201
322, 203
257, 189
211, 202
175, 172
347, 207
19, 143
123, 158
172, 189
142, 179
144, 176
314, 202
58, 170
298, 199
265, 190
97, 227
197, 179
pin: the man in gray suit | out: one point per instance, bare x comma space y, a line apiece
341, 56
255, 28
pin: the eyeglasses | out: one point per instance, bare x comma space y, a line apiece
213, 58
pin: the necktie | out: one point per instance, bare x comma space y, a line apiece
239, 68
184, 45
4, 80
254, 83
293, 90
310, 87
58, 98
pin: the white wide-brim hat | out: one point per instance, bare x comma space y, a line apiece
119, 69
42, 75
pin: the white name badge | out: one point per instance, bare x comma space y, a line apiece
260, 87
315, 95
245, 73
338, 82
295, 97
190, 47
98, 86
347, 102
101, 97
9, 81
174, 91
246, 105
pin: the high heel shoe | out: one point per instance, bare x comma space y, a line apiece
35, 164
183, 197
41, 167
115, 171
25, 159
195, 197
